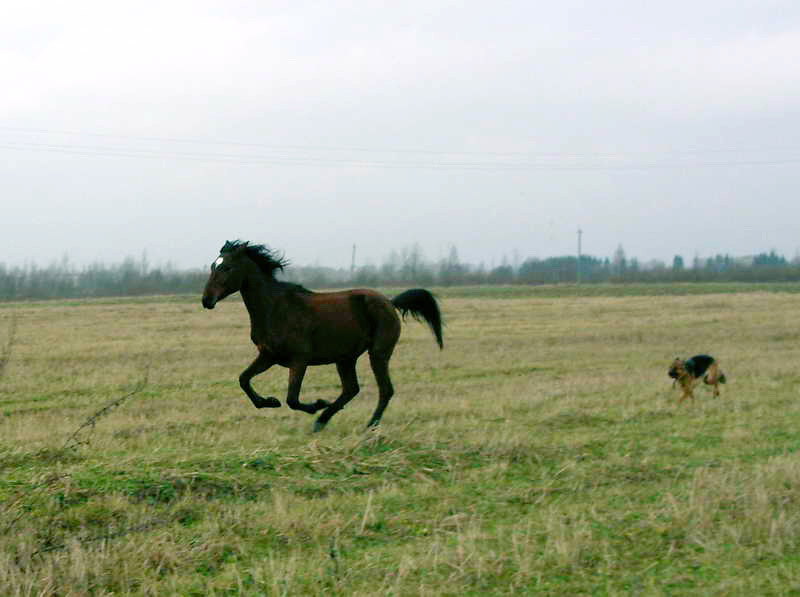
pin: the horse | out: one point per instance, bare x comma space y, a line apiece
296, 328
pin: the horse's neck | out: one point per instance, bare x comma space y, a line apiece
259, 297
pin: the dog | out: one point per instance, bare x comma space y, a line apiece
689, 372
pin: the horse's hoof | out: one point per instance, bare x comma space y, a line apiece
319, 426
268, 402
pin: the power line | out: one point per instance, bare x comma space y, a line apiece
333, 148
277, 156
244, 159
296, 147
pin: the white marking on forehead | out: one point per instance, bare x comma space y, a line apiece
219, 261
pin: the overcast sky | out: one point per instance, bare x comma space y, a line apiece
500, 128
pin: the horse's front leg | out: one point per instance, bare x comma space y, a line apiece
296, 373
263, 362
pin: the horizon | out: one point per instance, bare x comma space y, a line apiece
143, 260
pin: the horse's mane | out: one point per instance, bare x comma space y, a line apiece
267, 260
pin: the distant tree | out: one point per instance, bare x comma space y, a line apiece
502, 274
367, 275
131, 276
412, 261
719, 263
389, 270
655, 265
620, 261
530, 271
451, 270
559, 269
769, 259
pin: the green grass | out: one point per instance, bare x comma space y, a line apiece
615, 290
478, 291
541, 452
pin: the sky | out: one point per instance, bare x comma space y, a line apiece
165, 128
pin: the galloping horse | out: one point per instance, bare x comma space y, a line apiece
295, 327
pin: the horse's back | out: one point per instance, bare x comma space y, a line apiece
353, 321
343, 305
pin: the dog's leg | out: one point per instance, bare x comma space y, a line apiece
712, 378
685, 391
687, 384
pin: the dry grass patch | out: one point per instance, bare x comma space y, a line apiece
541, 451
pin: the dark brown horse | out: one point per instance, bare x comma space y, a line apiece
294, 327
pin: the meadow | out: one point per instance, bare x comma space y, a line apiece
541, 452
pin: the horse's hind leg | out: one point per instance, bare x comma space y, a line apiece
380, 367
349, 377
385, 336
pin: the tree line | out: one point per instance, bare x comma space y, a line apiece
406, 267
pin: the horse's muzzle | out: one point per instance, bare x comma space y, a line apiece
209, 301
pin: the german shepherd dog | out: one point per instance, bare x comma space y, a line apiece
689, 372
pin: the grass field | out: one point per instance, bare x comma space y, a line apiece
541, 452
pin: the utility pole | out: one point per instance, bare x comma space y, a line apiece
353, 263
578, 265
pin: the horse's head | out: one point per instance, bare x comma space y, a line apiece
227, 273
236, 262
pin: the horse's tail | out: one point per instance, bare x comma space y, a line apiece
422, 305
